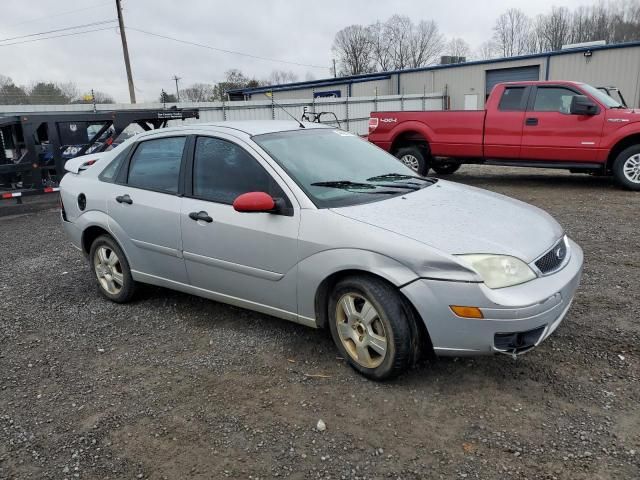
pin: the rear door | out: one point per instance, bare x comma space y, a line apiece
503, 125
243, 257
552, 133
144, 207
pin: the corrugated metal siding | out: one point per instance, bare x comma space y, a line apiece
367, 89
460, 80
619, 67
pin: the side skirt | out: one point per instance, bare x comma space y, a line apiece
222, 298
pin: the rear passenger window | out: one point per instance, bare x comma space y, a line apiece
512, 99
110, 171
155, 165
222, 171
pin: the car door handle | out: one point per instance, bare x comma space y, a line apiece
202, 215
531, 121
124, 199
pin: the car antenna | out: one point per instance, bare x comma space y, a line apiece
283, 109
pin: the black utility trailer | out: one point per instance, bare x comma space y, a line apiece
35, 146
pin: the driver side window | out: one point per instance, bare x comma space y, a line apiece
553, 99
222, 171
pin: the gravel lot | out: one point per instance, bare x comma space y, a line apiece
173, 386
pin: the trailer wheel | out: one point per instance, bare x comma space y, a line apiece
414, 158
111, 269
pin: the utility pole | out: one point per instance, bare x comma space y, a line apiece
176, 78
125, 51
334, 68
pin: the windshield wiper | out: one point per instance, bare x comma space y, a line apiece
400, 176
349, 185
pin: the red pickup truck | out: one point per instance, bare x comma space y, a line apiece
553, 124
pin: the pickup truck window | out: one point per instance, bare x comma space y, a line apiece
553, 99
512, 99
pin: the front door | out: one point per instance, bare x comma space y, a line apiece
144, 208
249, 259
552, 133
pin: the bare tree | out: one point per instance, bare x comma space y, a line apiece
381, 46
308, 77
487, 50
353, 48
512, 33
425, 44
553, 29
198, 92
280, 77
457, 47
398, 31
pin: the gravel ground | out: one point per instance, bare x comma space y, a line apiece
173, 386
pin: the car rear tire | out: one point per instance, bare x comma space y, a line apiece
415, 158
111, 269
626, 168
373, 327
445, 168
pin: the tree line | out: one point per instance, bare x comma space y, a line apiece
399, 42
47, 93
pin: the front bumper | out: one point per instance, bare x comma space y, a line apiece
533, 309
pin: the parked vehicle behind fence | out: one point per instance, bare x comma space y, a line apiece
567, 125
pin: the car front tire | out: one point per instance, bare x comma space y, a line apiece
111, 268
626, 168
372, 327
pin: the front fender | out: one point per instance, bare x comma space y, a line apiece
316, 268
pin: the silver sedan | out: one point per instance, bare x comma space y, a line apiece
317, 226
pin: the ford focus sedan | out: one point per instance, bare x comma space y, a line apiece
317, 226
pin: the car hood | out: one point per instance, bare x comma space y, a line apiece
456, 219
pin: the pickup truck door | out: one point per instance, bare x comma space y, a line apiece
551, 133
503, 125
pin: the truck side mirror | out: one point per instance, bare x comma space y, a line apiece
583, 105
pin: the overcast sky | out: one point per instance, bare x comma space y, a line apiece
296, 31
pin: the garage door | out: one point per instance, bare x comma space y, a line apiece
519, 74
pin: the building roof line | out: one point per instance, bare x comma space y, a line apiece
373, 76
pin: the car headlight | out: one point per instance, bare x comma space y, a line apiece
498, 271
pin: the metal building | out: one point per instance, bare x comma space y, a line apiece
468, 84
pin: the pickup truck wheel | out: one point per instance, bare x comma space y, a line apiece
371, 326
626, 168
413, 158
445, 168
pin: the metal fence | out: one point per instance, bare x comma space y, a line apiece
351, 112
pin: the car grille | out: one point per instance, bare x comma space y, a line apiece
553, 259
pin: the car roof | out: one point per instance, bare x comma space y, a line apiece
248, 127
544, 82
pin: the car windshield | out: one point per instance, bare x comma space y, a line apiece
602, 97
336, 168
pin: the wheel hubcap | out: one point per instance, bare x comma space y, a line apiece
410, 161
108, 270
631, 168
361, 330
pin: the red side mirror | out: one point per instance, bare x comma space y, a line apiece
254, 202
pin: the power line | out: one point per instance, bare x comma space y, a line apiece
59, 30
55, 36
202, 45
98, 5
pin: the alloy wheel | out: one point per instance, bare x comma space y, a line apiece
108, 270
361, 330
411, 161
631, 168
